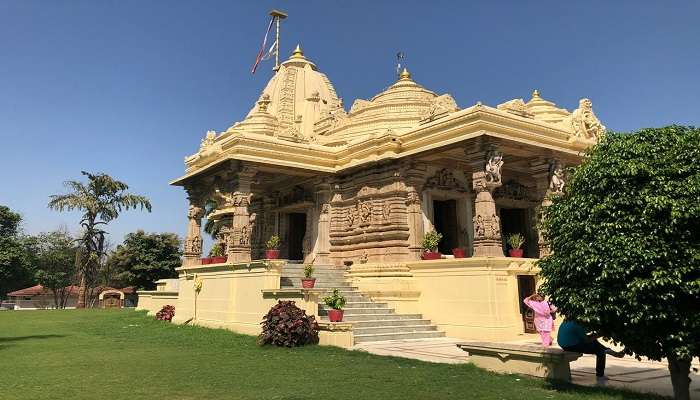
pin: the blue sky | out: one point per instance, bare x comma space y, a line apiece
130, 87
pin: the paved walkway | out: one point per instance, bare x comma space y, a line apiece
628, 373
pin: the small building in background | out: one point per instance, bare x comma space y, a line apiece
39, 297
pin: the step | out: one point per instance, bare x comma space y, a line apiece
375, 317
348, 312
393, 329
389, 322
397, 336
361, 304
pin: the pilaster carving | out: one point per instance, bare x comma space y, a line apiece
193, 241
487, 224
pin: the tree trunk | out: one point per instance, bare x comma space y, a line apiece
680, 369
81, 291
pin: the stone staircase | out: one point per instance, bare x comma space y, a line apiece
372, 321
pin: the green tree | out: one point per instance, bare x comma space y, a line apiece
55, 257
101, 200
626, 245
144, 258
15, 260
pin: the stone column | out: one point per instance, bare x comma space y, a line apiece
415, 179
239, 240
193, 240
486, 177
550, 182
323, 243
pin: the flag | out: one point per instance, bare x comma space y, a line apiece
271, 52
399, 57
261, 53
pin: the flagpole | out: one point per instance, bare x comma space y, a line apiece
277, 15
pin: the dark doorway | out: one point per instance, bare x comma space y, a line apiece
445, 222
295, 236
514, 220
526, 287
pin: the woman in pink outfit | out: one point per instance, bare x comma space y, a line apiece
543, 316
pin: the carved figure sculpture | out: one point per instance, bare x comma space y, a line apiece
556, 177
493, 166
584, 122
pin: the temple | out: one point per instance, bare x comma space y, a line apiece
353, 193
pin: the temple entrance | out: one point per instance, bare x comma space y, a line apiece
526, 287
514, 220
445, 222
296, 229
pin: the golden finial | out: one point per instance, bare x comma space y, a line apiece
536, 94
297, 53
405, 74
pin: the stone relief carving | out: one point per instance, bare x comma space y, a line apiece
208, 141
358, 105
494, 162
444, 179
439, 107
517, 107
244, 236
556, 177
193, 245
365, 212
264, 102
487, 227
386, 211
412, 198
513, 190
584, 122
195, 212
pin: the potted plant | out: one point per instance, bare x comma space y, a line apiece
336, 302
307, 282
217, 254
430, 244
458, 252
516, 241
272, 245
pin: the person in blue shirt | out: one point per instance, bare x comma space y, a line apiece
572, 337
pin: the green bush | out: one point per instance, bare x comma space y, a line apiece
273, 243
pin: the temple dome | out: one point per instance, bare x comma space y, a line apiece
401, 107
544, 110
292, 101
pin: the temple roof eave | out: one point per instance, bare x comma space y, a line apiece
459, 126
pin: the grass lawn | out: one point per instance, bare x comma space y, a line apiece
105, 354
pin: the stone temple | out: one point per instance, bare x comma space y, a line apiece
354, 191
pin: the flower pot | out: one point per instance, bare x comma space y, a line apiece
335, 315
432, 255
205, 260
308, 283
515, 252
218, 259
272, 254
459, 253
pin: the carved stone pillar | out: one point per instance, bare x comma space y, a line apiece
415, 179
550, 182
238, 247
486, 177
323, 244
193, 241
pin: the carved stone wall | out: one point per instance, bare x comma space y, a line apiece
369, 216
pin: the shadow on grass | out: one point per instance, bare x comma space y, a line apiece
29, 337
568, 387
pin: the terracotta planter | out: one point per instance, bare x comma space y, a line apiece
308, 283
335, 315
432, 255
218, 259
272, 254
459, 253
515, 252
205, 260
